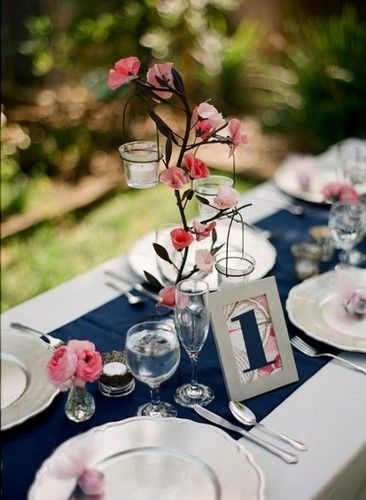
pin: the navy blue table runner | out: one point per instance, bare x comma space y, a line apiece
26, 446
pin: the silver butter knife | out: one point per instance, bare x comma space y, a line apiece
55, 343
288, 457
136, 286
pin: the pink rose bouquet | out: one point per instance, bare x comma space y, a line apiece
204, 125
74, 364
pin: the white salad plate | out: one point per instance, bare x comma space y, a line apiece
141, 255
315, 307
318, 170
25, 389
148, 458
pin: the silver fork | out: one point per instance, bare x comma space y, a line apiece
314, 353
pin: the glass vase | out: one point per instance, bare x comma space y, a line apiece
80, 405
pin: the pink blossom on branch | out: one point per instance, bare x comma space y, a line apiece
236, 135
197, 168
338, 191
174, 177
202, 231
167, 296
158, 72
203, 129
226, 198
180, 238
204, 260
124, 71
206, 111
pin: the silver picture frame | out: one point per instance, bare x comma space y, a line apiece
252, 339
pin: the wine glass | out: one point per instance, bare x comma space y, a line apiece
347, 223
192, 324
152, 355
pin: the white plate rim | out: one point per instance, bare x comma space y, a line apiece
48, 395
48, 463
305, 328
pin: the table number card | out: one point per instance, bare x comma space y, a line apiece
252, 339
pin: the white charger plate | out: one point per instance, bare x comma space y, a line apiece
314, 307
25, 389
148, 458
141, 255
321, 170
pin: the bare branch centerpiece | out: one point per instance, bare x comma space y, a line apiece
204, 125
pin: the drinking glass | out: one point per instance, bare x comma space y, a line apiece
347, 223
152, 355
233, 268
192, 323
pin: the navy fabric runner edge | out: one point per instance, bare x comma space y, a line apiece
30, 443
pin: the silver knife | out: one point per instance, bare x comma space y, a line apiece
55, 343
288, 457
136, 286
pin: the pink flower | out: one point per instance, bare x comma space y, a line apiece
236, 135
202, 231
167, 296
226, 198
206, 111
79, 346
61, 368
89, 367
174, 177
203, 129
197, 168
204, 261
92, 482
338, 191
124, 71
161, 71
180, 238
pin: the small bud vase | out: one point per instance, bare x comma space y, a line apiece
80, 405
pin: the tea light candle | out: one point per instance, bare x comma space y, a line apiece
114, 368
116, 379
142, 173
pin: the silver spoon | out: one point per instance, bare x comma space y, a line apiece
132, 299
244, 415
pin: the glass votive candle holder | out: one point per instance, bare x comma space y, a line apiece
322, 237
141, 163
307, 258
208, 188
116, 379
233, 269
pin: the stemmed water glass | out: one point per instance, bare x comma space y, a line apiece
152, 355
192, 324
347, 223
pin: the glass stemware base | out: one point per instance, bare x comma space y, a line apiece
156, 410
189, 395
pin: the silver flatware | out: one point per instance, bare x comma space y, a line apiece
314, 353
135, 286
53, 341
245, 415
132, 299
288, 457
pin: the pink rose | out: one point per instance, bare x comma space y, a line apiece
338, 191
61, 368
92, 482
89, 367
80, 345
180, 238
197, 168
174, 177
161, 71
226, 198
236, 135
125, 70
204, 261
206, 111
202, 231
167, 296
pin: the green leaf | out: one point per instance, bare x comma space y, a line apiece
217, 249
188, 194
202, 200
153, 281
162, 126
168, 149
161, 252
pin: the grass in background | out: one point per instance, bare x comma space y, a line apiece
57, 251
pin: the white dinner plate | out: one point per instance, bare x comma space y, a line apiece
319, 170
154, 458
141, 255
25, 389
314, 307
